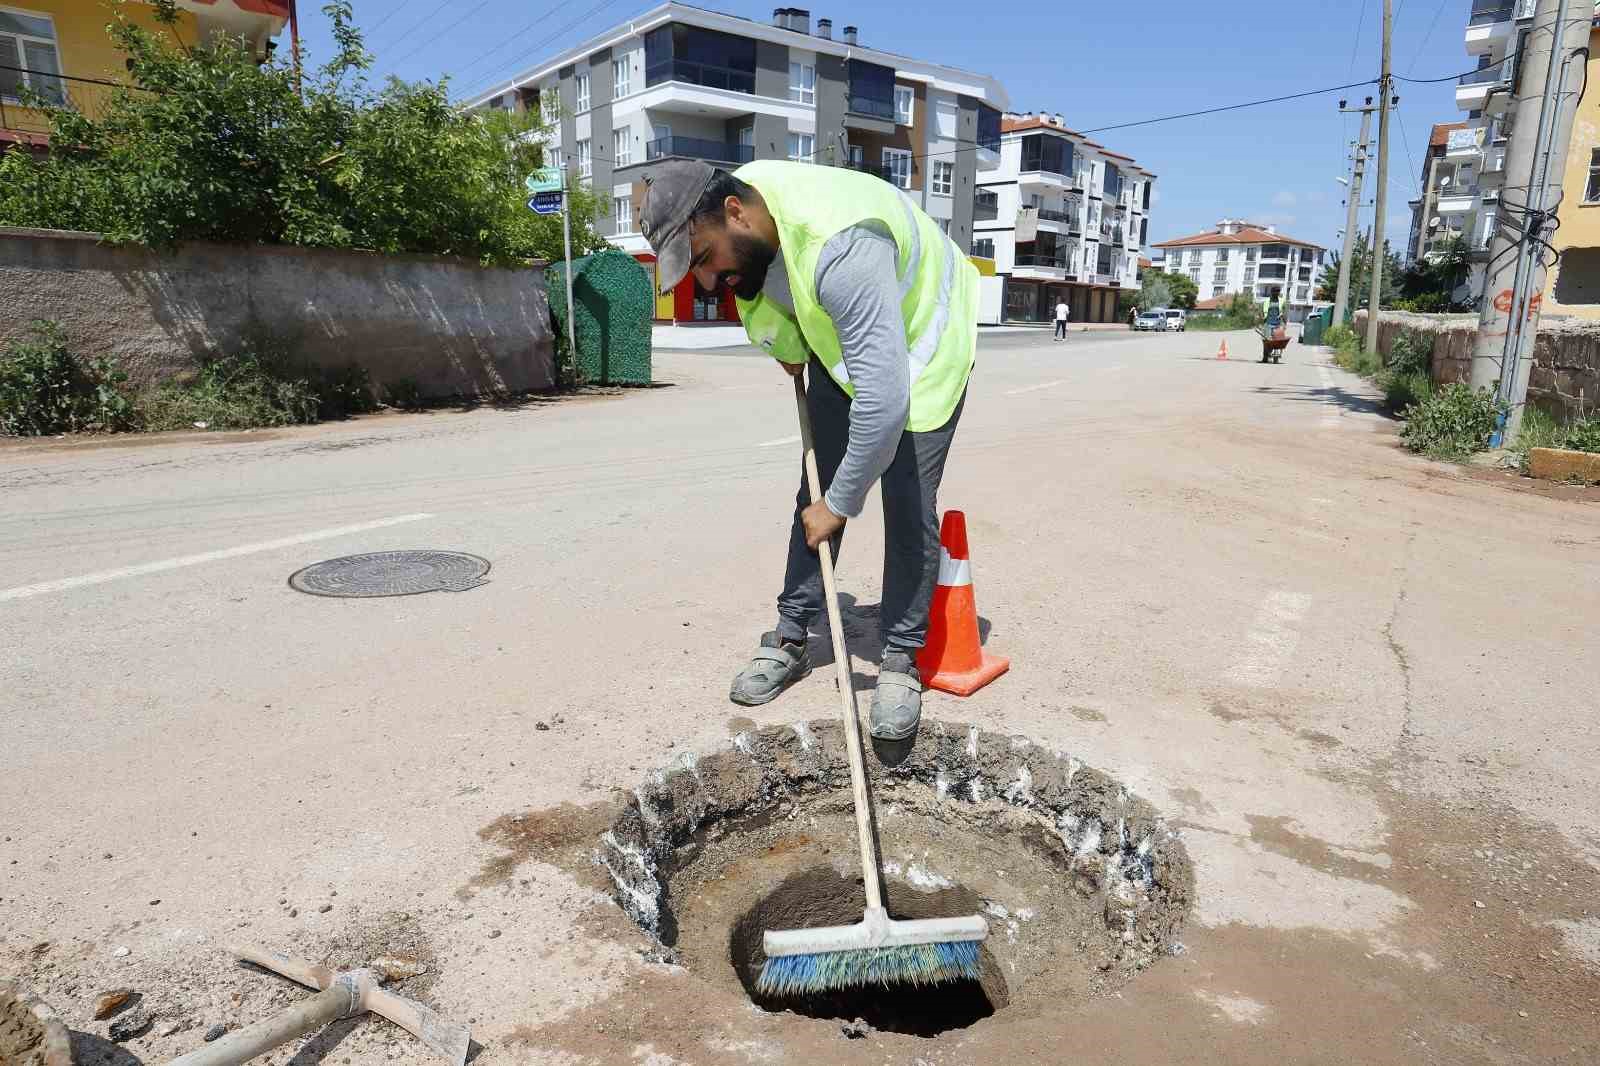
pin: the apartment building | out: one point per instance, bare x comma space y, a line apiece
1429, 229
59, 51
1572, 286
1244, 257
1061, 217
1473, 166
682, 82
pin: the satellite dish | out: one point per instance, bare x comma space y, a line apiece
1433, 223
1444, 181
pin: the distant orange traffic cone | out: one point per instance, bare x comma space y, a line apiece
953, 660
1222, 353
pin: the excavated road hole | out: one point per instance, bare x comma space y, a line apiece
1082, 884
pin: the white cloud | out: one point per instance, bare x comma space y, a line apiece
1275, 218
1284, 198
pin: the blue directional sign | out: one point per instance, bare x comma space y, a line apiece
546, 203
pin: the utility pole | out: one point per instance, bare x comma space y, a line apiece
1341, 303
1542, 117
1384, 85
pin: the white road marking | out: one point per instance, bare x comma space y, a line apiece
775, 443
1109, 369
1272, 639
24, 591
1034, 388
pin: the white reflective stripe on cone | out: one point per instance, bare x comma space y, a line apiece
953, 572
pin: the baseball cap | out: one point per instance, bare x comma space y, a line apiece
671, 192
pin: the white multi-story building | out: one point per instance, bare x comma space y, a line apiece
1061, 218
1242, 257
1465, 198
682, 82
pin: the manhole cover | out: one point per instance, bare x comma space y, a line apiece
404, 573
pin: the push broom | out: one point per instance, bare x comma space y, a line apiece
878, 950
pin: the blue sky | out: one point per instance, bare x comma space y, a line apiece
1117, 62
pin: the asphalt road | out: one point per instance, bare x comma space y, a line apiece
1364, 684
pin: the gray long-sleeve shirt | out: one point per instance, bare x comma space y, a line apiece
857, 285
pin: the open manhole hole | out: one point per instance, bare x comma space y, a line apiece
399, 573
1082, 884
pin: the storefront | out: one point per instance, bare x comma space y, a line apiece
688, 302
1035, 302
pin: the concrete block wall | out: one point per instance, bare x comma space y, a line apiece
1564, 381
451, 326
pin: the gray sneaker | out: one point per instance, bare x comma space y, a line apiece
776, 665
897, 701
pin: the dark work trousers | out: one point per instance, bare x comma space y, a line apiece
910, 489
1061, 328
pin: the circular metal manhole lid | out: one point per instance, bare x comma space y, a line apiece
403, 573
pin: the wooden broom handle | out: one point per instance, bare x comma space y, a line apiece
841, 659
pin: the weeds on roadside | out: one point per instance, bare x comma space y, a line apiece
1453, 422
45, 389
1541, 430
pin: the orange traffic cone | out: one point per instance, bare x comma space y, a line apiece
953, 660
1222, 353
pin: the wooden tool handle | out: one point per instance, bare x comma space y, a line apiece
841, 659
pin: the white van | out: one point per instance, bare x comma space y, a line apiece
1176, 320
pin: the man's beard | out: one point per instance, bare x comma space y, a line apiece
754, 257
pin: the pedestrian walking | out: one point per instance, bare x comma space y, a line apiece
1063, 312
839, 271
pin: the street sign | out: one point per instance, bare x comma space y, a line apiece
545, 179
546, 203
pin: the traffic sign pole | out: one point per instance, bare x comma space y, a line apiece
572, 320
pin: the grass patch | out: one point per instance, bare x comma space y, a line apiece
1452, 423
45, 389
1541, 430
1403, 390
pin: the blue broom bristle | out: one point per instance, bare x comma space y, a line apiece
916, 964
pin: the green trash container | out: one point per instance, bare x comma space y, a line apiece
612, 300
1316, 325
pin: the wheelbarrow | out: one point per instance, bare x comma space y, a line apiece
1273, 343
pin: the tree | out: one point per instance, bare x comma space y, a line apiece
1154, 291
208, 144
1183, 289
1361, 274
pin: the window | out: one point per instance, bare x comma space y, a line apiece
622, 211
1249, 276
621, 147
1194, 275
871, 90
553, 157
550, 105
1250, 254
28, 42
988, 128
1046, 153
803, 83
1222, 255
944, 177
747, 139
1194, 257
585, 160
1275, 251
984, 248
677, 52
1303, 293
905, 104
583, 91
802, 147
621, 78
899, 164
1591, 194
1220, 277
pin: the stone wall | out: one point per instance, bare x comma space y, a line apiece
1565, 380
452, 327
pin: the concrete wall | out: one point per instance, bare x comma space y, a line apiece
1565, 380
449, 325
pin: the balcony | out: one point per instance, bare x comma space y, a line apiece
1457, 199
1053, 179
985, 206
877, 170
1060, 218
1464, 146
872, 114
681, 70
1490, 21
1474, 90
697, 148
1054, 266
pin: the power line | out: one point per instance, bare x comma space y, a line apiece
401, 6
393, 63
417, 26
1233, 107
1356, 46
1427, 36
508, 42
493, 76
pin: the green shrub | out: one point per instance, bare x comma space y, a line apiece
1411, 353
1453, 422
208, 144
345, 392
45, 389
246, 390
1581, 436
1402, 390
405, 394
1339, 336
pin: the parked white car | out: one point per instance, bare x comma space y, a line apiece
1151, 320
